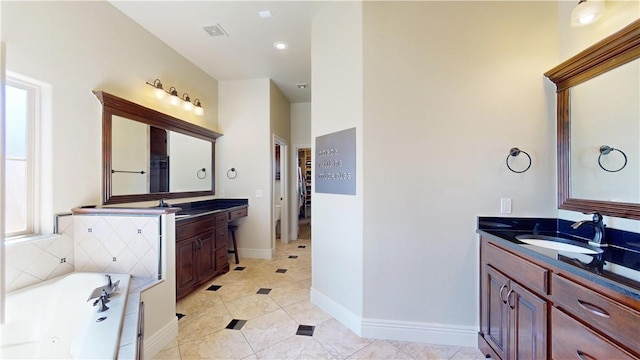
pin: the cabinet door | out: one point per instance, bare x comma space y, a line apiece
496, 311
186, 272
528, 328
206, 257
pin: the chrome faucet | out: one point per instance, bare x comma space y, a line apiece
102, 304
598, 229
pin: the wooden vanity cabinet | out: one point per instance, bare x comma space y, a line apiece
513, 318
200, 243
530, 309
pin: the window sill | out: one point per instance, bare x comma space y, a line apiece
23, 239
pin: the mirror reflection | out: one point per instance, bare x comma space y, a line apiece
605, 111
148, 159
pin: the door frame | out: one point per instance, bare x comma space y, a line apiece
284, 186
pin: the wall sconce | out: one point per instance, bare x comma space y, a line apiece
587, 12
160, 93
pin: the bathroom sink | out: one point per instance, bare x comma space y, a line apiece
558, 243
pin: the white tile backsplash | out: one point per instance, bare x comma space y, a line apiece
117, 244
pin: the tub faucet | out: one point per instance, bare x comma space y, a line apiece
598, 229
109, 279
101, 303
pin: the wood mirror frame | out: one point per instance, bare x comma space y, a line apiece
113, 105
609, 53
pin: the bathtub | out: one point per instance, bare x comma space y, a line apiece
54, 320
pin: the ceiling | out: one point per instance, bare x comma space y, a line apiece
246, 51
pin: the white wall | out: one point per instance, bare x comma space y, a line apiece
244, 119
78, 47
439, 93
280, 118
336, 104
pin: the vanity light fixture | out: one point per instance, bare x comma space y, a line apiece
160, 93
586, 12
173, 99
186, 102
197, 107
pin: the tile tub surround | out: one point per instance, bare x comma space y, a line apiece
621, 257
235, 317
34, 261
118, 244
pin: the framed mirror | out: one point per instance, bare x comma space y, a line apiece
148, 155
598, 108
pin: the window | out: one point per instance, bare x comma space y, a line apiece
21, 191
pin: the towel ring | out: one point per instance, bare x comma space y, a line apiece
605, 150
202, 171
515, 152
231, 173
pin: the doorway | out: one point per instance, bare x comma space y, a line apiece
279, 211
303, 185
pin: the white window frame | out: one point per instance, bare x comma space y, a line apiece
40, 216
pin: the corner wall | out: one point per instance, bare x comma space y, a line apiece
337, 98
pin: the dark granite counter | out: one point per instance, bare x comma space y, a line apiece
617, 267
206, 207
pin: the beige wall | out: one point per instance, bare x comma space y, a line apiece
300, 138
337, 104
78, 47
244, 114
439, 93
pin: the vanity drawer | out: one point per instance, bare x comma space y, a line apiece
220, 220
528, 274
221, 238
235, 214
191, 227
606, 315
572, 340
222, 259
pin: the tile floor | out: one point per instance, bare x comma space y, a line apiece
263, 312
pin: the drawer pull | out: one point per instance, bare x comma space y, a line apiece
509, 299
584, 356
593, 309
504, 301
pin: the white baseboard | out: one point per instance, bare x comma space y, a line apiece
397, 330
154, 343
339, 312
420, 332
267, 254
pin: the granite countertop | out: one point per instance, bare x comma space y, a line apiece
201, 208
617, 268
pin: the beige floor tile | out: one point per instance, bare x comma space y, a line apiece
269, 329
223, 344
295, 347
289, 294
252, 306
198, 300
468, 353
203, 322
338, 339
306, 282
426, 351
233, 291
305, 313
380, 349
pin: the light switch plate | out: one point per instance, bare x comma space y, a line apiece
259, 193
505, 206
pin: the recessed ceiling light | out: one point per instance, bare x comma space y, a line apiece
280, 45
265, 14
302, 85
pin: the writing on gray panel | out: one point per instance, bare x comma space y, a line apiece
336, 163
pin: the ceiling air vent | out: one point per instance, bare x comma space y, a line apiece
215, 30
